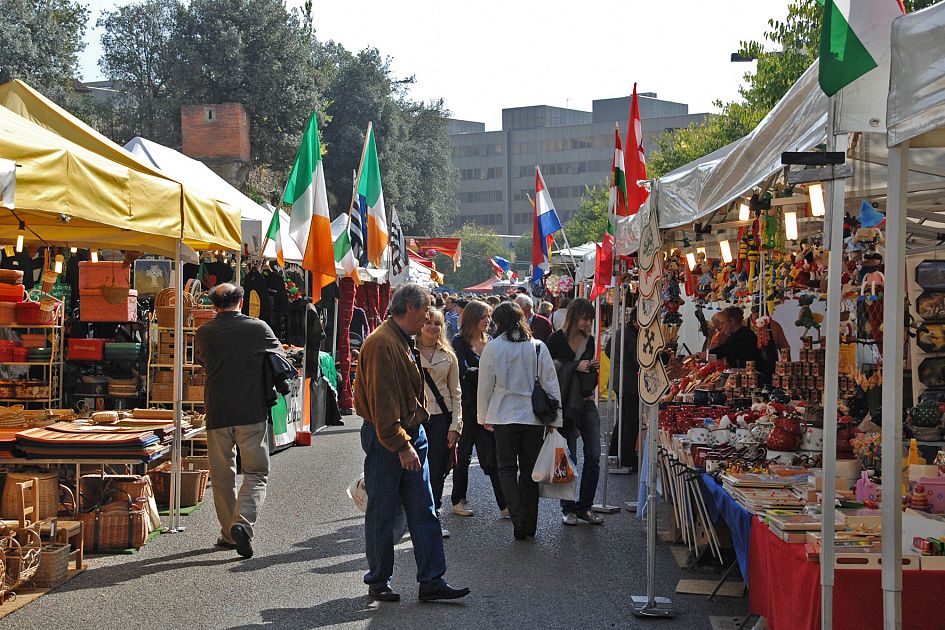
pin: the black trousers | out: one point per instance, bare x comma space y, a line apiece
438, 455
517, 447
484, 441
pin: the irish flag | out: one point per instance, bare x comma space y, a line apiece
371, 198
309, 222
344, 255
854, 40
275, 235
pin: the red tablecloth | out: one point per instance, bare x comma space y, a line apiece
785, 589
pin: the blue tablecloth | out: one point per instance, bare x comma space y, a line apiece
721, 504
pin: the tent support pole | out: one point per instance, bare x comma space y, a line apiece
834, 232
893, 317
178, 388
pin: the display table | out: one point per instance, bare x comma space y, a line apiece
785, 590
720, 504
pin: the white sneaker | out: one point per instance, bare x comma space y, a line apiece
446, 532
505, 513
570, 518
462, 509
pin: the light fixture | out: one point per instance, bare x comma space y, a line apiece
726, 251
818, 207
57, 266
94, 255
73, 250
691, 259
790, 226
744, 212
20, 235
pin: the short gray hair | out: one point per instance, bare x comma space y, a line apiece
408, 295
523, 300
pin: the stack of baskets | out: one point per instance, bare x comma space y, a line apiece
164, 307
48, 494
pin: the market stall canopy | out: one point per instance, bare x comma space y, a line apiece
67, 195
198, 176
488, 286
916, 105
203, 222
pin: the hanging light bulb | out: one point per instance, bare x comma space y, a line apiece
790, 226
726, 251
818, 207
744, 212
94, 255
57, 266
691, 260
20, 235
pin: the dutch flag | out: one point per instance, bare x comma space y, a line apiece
546, 223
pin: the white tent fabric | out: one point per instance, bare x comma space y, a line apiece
916, 106
7, 183
199, 176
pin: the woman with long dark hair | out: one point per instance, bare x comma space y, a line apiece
468, 346
572, 348
508, 369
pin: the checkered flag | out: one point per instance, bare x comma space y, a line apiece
398, 252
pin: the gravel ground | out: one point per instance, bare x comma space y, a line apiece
310, 559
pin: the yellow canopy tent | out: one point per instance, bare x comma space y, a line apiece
202, 222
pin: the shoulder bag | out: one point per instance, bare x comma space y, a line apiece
543, 406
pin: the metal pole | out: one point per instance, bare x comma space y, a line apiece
835, 213
893, 323
605, 507
178, 388
623, 361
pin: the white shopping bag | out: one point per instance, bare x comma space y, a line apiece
563, 491
357, 493
554, 465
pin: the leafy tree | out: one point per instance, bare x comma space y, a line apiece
42, 40
523, 248
479, 244
138, 54
796, 43
590, 221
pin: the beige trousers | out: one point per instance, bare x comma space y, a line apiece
253, 442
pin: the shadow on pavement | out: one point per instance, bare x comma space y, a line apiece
342, 610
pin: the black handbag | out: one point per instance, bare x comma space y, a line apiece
543, 406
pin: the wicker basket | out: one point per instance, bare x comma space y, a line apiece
119, 524
53, 565
164, 307
22, 559
48, 494
193, 485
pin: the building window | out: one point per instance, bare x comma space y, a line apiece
210, 113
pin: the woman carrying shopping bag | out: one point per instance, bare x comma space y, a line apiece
440, 371
468, 345
511, 366
572, 349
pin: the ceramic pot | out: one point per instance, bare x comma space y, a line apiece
781, 457
721, 436
782, 440
762, 429
812, 439
699, 435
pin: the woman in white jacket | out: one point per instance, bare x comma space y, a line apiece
507, 372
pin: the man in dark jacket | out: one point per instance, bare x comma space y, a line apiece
232, 348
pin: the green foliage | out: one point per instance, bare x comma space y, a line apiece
590, 221
523, 249
42, 40
479, 244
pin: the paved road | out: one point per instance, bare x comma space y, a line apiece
309, 561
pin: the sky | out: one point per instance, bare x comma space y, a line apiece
485, 55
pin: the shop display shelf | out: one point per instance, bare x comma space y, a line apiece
24, 362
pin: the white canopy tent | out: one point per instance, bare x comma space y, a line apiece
915, 117
199, 176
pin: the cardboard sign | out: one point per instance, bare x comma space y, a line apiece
649, 344
654, 383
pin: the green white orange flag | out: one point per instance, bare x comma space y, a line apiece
855, 39
309, 221
275, 235
371, 198
344, 255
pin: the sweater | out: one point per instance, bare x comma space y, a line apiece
388, 386
506, 380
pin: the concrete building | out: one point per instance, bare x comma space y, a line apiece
574, 149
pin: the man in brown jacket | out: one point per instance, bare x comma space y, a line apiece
389, 396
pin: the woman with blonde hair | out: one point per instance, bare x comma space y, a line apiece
440, 371
468, 345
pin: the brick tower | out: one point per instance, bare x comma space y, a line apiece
218, 136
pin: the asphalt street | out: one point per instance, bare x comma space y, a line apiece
310, 560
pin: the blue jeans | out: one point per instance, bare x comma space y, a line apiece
588, 426
388, 487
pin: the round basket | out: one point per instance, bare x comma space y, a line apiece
48, 494
164, 305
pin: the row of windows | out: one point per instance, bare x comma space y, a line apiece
562, 168
484, 219
493, 172
479, 150
556, 192
563, 144
481, 196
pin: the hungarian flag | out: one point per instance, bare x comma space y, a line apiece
855, 39
618, 183
275, 235
371, 200
635, 166
309, 222
545, 223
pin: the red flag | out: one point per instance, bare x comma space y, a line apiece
604, 268
635, 164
